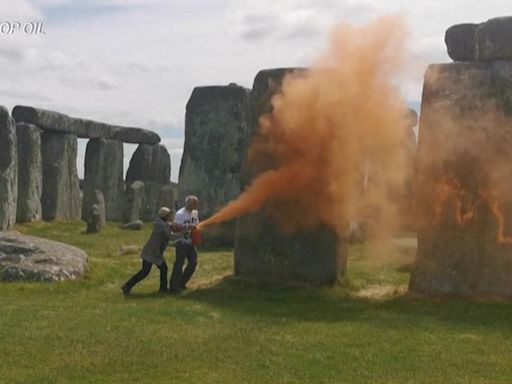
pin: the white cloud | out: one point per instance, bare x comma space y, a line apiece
138, 66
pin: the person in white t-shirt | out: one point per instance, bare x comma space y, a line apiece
188, 218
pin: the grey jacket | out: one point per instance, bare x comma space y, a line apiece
155, 247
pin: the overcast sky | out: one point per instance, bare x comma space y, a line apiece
135, 62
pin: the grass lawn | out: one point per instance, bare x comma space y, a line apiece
229, 330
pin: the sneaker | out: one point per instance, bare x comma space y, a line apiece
126, 290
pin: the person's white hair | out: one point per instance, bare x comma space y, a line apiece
163, 212
190, 198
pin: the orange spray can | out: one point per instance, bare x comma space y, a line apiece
196, 236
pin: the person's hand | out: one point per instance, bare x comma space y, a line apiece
177, 227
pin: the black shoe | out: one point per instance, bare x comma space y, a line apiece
175, 291
163, 290
184, 288
126, 290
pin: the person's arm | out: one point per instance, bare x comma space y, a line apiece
169, 234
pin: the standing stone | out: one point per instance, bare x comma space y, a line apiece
8, 170
61, 193
104, 171
133, 202
167, 197
460, 41
464, 199
94, 224
493, 39
262, 250
94, 198
30, 173
150, 164
406, 199
216, 139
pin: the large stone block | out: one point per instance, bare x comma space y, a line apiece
61, 193
265, 253
94, 197
493, 39
29, 258
460, 41
464, 198
95, 215
30, 173
216, 139
104, 172
150, 164
133, 202
167, 198
84, 128
262, 250
8, 170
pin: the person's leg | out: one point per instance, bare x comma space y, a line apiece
142, 274
191, 266
177, 269
163, 277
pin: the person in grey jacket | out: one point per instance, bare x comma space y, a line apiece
153, 251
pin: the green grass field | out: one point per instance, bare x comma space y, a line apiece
229, 330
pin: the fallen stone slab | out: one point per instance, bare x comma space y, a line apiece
83, 128
29, 258
134, 225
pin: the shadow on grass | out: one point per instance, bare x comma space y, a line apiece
332, 305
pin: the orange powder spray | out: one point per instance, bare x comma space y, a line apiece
326, 123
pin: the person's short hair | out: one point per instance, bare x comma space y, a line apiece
190, 197
163, 212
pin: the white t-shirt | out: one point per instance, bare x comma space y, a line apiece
183, 216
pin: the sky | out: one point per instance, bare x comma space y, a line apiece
136, 62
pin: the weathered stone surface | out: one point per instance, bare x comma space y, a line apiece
93, 198
28, 258
405, 197
216, 139
104, 171
30, 173
167, 198
94, 224
261, 250
460, 41
134, 225
8, 170
463, 195
150, 164
61, 193
133, 201
55, 121
492, 39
